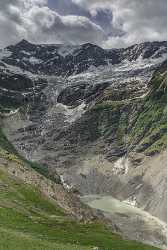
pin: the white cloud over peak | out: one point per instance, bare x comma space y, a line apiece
34, 21
129, 22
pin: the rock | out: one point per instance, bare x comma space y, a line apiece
69, 60
74, 95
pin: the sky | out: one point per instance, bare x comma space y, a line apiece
107, 23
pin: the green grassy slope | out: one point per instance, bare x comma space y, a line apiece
138, 125
30, 221
150, 129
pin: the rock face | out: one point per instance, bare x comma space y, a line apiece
17, 89
68, 60
101, 126
76, 94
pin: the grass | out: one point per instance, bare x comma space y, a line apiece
42, 169
19, 241
147, 129
108, 105
28, 220
150, 128
5, 144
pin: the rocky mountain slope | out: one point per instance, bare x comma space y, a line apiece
96, 117
37, 212
67, 60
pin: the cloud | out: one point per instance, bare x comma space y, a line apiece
136, 21
35, 21
67, 7
53, 27
109, 23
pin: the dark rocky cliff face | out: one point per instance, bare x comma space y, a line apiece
17, 89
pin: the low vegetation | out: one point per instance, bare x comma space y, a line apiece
139, 124
28, 220
151, 125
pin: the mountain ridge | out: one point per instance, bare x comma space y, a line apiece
70, 59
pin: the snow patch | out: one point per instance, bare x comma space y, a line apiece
4, 53
33, 60
72, 114
25, 52
131, 201
11, 113
65, 185
66, 50
121, 166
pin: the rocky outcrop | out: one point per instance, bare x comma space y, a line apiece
16, 89
76, 94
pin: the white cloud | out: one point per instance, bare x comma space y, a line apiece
33, 20
139, 21
133, 21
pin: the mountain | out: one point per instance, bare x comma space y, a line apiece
40, 214
67, 60
37, 212
25, 68
97, 119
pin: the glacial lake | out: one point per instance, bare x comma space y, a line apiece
133, 222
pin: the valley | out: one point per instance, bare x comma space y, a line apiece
95, 120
